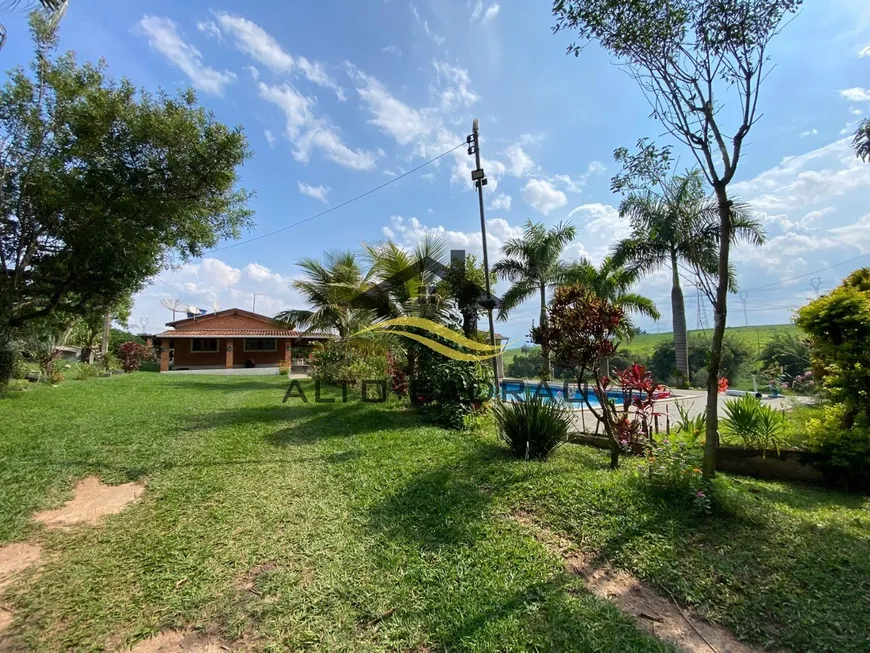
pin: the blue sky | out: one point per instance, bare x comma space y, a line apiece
337, 98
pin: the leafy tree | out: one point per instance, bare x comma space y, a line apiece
689, 57
103, 185
532, 264
735, 357
788, 351
678, 227
838, 324
327, 289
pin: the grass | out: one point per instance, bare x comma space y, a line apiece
335, 515
755, 337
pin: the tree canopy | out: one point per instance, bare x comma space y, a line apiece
104, 185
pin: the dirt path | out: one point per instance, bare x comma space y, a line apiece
660, 616
91, 501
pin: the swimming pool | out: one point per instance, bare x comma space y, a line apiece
568, 392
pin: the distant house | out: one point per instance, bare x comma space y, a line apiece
234, 339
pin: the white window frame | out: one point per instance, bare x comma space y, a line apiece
254, 351
206, 351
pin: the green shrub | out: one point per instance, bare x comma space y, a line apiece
339, 361
847, 450
83, 371
532, 428
755, 425
787, 352
735, 357
675, 468
690, 429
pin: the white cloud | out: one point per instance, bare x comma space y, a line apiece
308, 132
255, 73
212, 281
439, 40
209, 28
317, 192
393, 49
478, 10
490, 13
865, 52
531, 139
270, 138
407, 232
165, 37
576, 185
519, 163
856, 94
856, 111
455, 86
855, 235
543, 196
501, 202
812, 216
810, 132
799, 182
256, 42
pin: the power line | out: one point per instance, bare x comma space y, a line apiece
808, 274
338, 206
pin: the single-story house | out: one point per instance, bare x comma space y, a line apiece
234, 338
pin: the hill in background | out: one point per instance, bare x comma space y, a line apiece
754, 337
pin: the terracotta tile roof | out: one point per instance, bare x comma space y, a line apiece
240, 333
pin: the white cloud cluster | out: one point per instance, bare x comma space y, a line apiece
253, 40
309, 132
543, 196
165, 37
212, 281
519, 163
317, 192
810, 132
407, 232
865, 52
502, 202
484, 15
856, 94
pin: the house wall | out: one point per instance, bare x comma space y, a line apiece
184, 357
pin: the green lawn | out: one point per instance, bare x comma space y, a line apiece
337, 514
755, 337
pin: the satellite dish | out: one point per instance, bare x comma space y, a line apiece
193, 309
174, 305
214, 307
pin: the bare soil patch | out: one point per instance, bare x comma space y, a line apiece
15, 558
660, 616
5, 618
92, 500
175, 641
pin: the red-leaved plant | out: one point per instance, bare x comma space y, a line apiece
131, 355
582, 331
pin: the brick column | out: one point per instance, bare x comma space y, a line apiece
229, 359
164, 355
288, 350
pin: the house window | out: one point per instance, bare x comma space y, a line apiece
203, 345
260, 344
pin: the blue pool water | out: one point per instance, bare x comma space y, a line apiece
518, 390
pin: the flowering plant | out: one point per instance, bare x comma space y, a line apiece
677, 466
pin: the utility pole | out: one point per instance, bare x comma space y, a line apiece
479, 179
107, 322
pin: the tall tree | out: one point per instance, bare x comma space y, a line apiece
690, 57
102, 185
326, 288
533, 264
678, 227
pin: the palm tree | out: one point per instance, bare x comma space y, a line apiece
403, 282
532, 264
614, 283
681, 226
326, 288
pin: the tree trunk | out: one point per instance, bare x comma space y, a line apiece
547, 369
7, 358
678, 312
614, 458
720, 314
